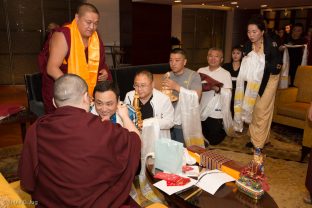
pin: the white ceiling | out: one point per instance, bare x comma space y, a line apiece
243, 4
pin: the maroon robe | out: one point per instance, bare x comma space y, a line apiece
72, 159
47, 81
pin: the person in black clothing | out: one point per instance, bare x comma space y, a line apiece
295, 54
233, 68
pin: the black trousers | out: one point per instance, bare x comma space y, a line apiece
213, 130
177, 135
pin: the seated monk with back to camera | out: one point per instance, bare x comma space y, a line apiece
71, 158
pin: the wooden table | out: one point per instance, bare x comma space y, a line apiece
227, 195
22, 117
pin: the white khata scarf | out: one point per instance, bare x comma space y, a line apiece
284, 79
188, 113
251, 70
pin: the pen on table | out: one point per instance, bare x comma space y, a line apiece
192, 194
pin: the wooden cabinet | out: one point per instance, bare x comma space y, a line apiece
22, 32
277, 19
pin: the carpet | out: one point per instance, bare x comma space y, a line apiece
285, 143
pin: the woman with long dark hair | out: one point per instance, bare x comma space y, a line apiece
233, 68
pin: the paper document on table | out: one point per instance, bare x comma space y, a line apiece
212, 180
162, 185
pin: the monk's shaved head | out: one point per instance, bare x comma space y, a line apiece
86, 7
69, 90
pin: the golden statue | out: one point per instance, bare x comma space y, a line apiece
168, 92
136, 106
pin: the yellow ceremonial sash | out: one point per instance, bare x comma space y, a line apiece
77, 63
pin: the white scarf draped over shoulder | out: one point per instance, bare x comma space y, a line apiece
251, 70
284, 79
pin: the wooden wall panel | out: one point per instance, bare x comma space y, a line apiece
151, 33
201, 30
21, 45
241, 18
5, 72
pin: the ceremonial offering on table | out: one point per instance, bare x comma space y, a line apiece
250, 187
172, 179
212, 160
252, 181
231, 167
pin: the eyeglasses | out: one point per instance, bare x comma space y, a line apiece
142, 86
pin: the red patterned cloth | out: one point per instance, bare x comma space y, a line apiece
172, 179
210, 82
10, 109
186, 168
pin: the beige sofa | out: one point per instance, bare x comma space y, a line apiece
291, 106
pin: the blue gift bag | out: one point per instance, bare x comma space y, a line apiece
169, 155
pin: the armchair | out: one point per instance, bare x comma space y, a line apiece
33, 90
291, 106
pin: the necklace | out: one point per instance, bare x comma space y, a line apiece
259, 47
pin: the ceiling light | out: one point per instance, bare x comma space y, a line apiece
177, 1
203, 4
234, 2
263, 5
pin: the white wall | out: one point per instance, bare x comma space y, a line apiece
109, 20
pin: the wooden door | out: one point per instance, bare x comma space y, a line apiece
201, 30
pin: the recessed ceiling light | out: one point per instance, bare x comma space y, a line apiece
177, 1
234, 2
263, 5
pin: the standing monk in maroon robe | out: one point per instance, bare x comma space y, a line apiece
71, 158
75, 48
